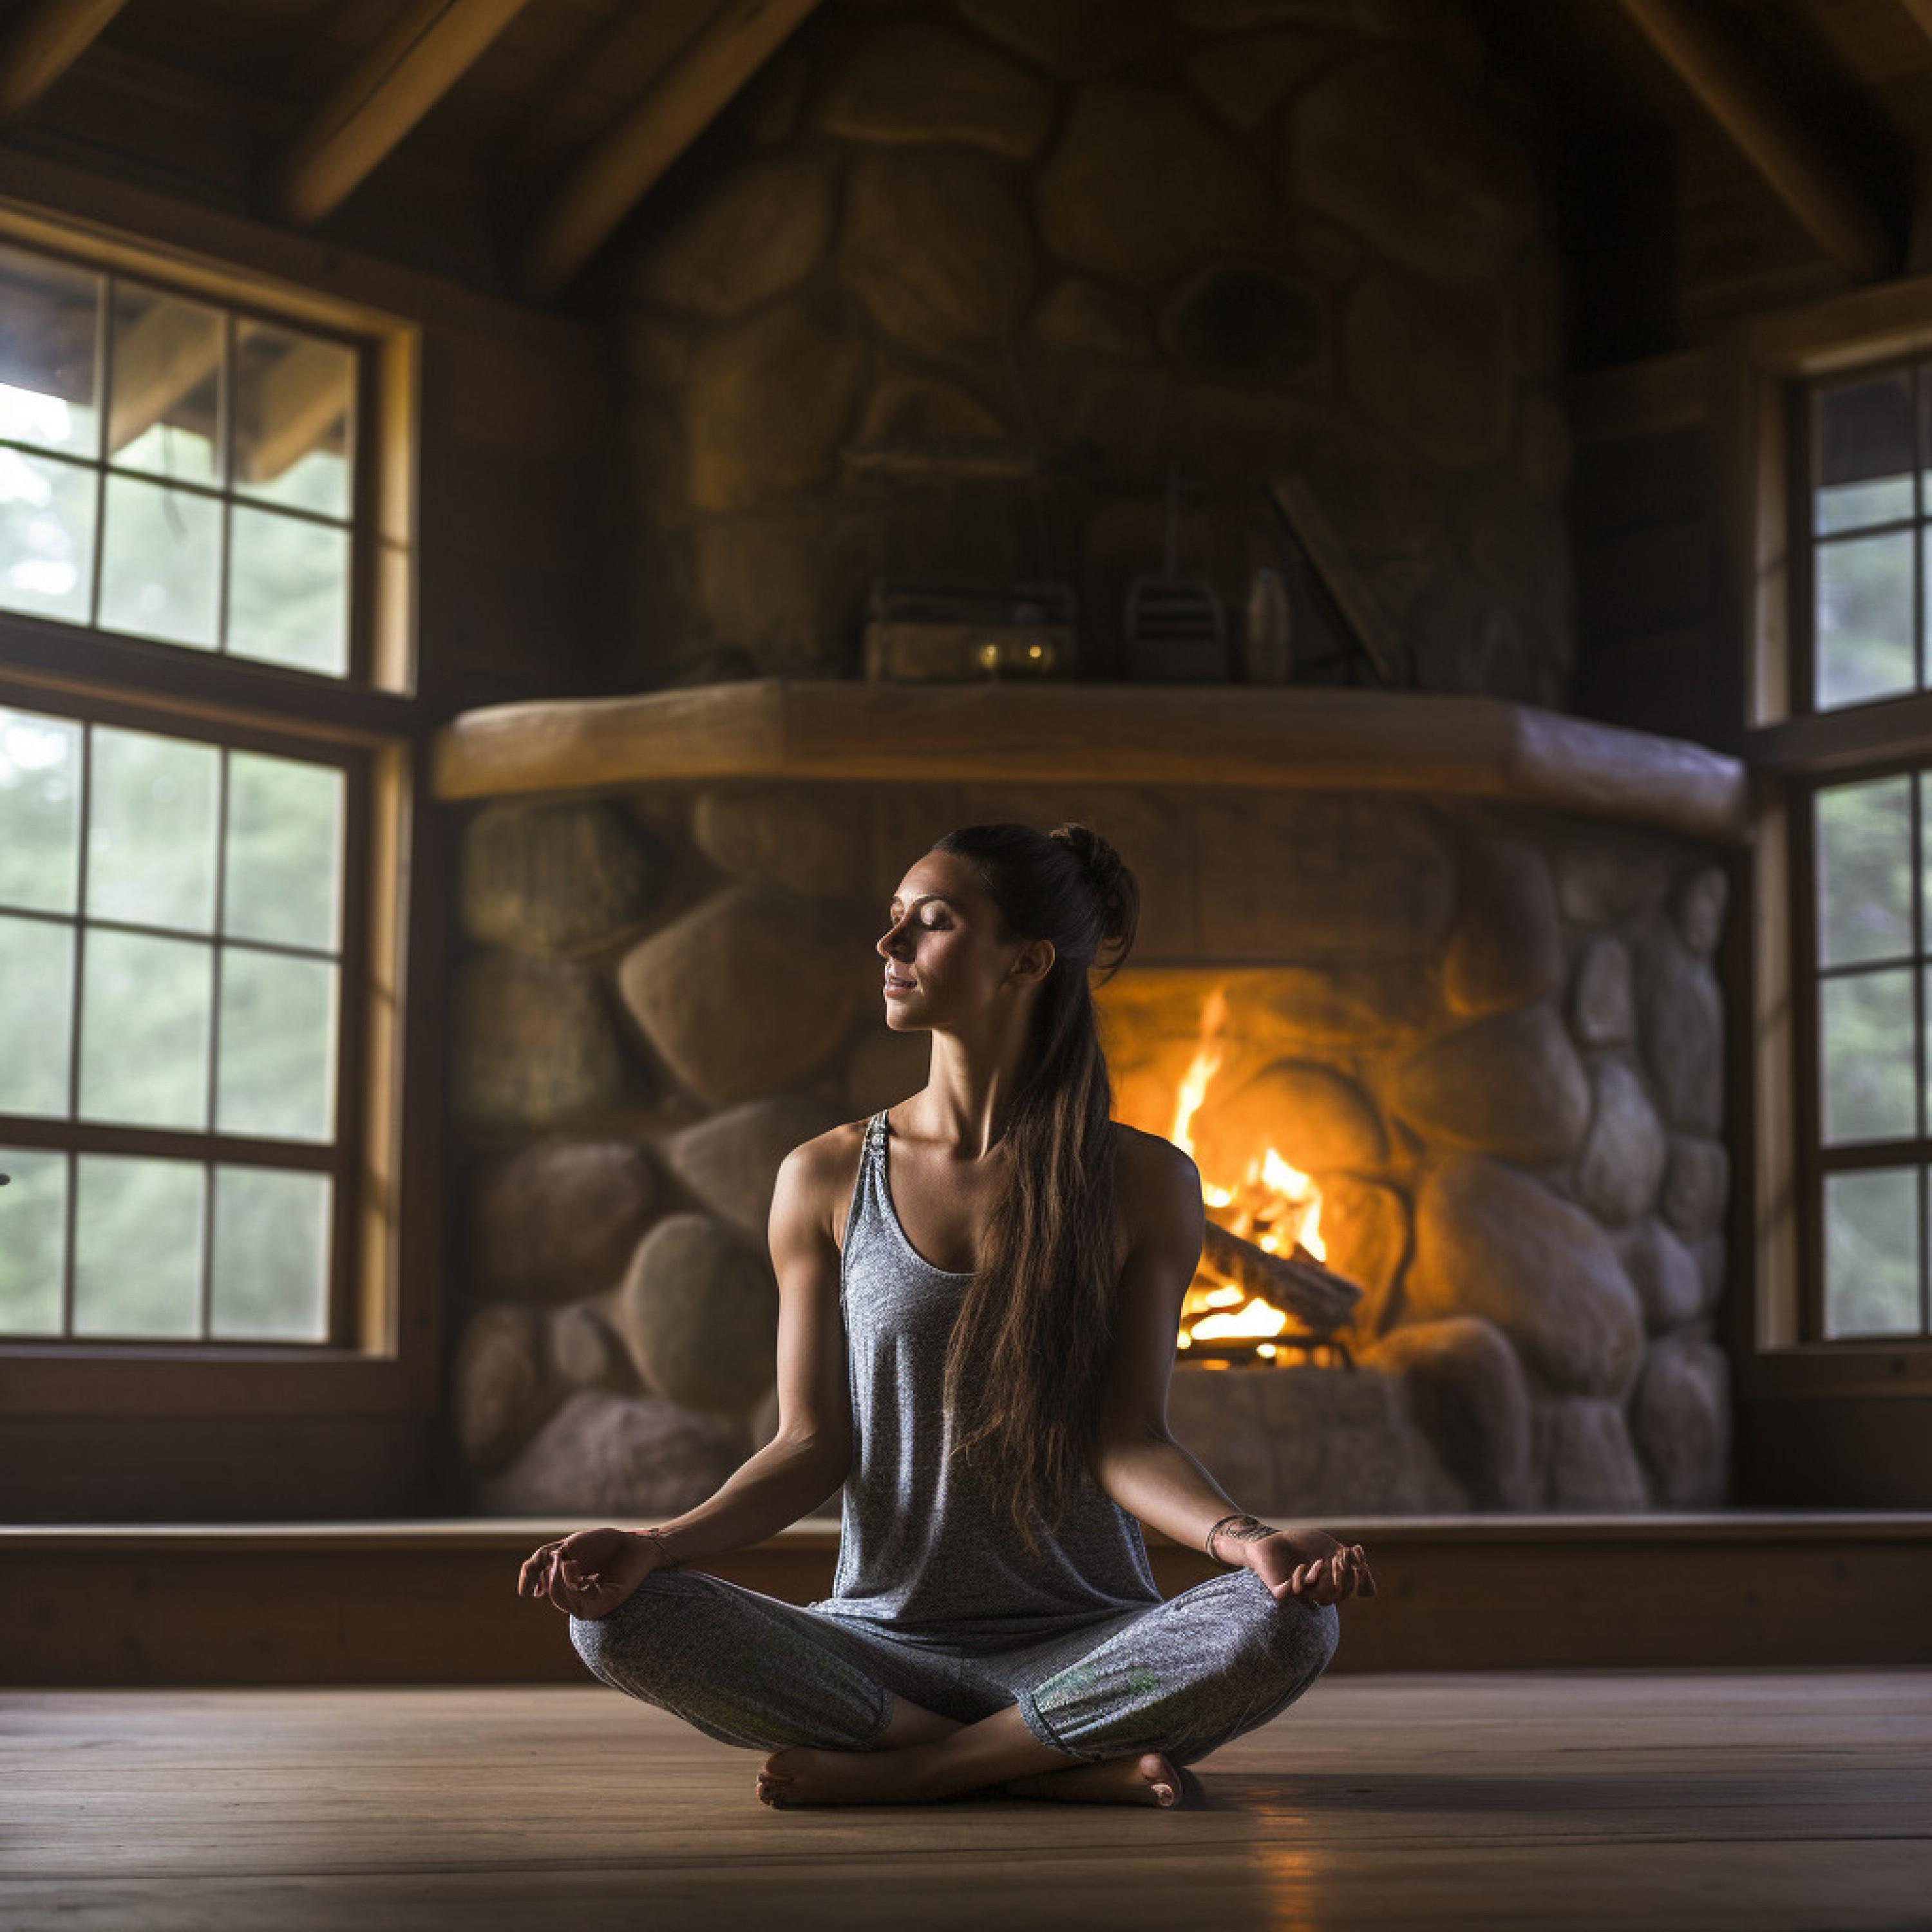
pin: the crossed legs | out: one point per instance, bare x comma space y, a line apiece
848, 1714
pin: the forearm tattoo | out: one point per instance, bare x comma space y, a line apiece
1238, 1528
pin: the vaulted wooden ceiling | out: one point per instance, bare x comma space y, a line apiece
504, 139
1725, 156
1715, 156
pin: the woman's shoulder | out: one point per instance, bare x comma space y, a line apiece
825, 1155
1155, 1182
819, 1174
1151, 1157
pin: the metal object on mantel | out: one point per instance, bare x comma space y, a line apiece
922, 632
1174, 630
970, 586
1268, 639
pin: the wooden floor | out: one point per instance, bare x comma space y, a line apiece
1761, 1798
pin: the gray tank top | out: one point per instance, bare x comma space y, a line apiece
922, 1546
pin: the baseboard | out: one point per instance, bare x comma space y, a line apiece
435, 1602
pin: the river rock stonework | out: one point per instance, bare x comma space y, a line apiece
1245, 239
1460, 1045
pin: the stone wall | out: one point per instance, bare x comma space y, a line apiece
1247, 236
1492, 1036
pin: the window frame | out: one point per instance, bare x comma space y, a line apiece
73, 1133
1815, 1158
381, 1359
1802, 542
1760, 372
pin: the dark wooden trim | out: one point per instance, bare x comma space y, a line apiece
1852, 735
1801, 586
1646, 398
1829, 1371
1807, 1073
29, 1130
352, 1123
36, 654
211, 1379
293, 1603
365, 488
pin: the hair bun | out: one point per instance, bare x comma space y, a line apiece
1106, 872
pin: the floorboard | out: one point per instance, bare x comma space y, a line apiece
1610, 1798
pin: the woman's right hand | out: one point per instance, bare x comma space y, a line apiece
590, 1572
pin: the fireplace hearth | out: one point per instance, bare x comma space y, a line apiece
1424, 983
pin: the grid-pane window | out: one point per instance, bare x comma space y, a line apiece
1871, 945
1861, 533
173, 469
172, 951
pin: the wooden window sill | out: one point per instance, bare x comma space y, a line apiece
59, 1378
1822, 1370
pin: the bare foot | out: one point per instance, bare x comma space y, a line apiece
800, 1775
1149, 1778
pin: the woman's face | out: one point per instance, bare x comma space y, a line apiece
941, 936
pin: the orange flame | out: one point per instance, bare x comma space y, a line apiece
1272, 1203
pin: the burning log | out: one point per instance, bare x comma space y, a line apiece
1316, 1296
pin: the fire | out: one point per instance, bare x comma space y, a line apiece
1272, 1204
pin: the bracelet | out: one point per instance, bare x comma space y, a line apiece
1233, 1516
670, 1562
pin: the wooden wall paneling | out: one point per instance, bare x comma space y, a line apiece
1836, 1452
1644, 578
140, 1469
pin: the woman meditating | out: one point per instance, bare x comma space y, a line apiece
979, 1290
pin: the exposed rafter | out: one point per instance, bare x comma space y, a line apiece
609, 180
43, 42
388, 91
1829, 210
167, 353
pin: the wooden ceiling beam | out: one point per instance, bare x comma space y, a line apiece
1830, 211
387, 92
43, 42
172, 349
1920, 11
611, 178
304, 394
167, 354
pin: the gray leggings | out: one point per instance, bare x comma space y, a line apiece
1183, 1676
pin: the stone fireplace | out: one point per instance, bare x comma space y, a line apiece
1424, 982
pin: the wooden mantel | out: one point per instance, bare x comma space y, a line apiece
1322, 737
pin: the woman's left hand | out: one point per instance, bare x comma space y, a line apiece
1310, 1566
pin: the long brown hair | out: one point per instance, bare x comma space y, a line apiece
1026, 1366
